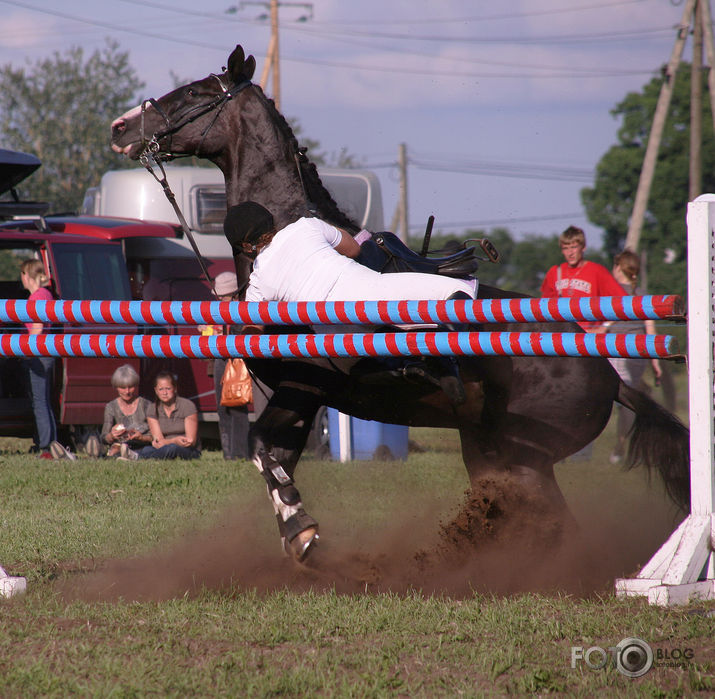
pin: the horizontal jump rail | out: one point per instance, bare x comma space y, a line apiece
515, 344
519, 310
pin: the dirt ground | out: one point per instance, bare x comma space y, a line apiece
502, 541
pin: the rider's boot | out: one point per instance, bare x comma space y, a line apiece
447, 372
447, 368
298, 530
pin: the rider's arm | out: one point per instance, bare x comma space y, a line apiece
347, 245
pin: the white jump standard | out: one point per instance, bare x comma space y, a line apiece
683, 569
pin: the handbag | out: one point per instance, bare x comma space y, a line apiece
236, 384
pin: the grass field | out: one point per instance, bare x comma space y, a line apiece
164, 579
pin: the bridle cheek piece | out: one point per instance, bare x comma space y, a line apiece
151, 147
151, 150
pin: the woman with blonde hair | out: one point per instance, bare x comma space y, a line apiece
124, 417
35, 280
626, 268
173, 423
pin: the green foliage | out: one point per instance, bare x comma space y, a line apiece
60, 110
609, 203
9, 265
523, 262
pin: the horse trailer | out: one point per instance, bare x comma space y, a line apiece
166, 269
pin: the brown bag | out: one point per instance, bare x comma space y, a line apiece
235, 384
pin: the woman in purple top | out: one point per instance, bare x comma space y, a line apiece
35, 280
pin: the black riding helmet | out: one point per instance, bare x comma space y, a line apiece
245, 223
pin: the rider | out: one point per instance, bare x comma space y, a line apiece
311, 260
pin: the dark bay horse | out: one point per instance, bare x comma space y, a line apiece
521, 415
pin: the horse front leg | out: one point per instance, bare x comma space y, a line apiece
277, 439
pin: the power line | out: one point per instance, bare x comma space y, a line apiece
513, 171
573, 216
587, 72
528, 171
565, 74
113, 27
488, 18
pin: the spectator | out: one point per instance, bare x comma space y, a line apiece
626, 268
578, 277
173, 423
232, 422
40, 369
124, 417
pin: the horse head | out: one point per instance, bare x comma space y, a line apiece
182, 122
228, 120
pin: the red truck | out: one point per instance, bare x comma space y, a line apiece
85, 257
100, 255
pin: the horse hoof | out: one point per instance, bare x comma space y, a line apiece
303, 544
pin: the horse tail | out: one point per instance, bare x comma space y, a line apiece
660, 442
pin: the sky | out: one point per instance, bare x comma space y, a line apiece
504, 108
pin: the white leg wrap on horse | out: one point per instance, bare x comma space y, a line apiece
287, 505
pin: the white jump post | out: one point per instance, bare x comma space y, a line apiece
10, 585
683, 569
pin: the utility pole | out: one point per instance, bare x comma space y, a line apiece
709, 52
696, 107
272, 64
402, 164
656, 131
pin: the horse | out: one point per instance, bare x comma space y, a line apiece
521, 414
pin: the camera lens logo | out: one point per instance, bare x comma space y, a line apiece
634, 657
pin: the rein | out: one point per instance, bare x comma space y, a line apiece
144, 159
152, 151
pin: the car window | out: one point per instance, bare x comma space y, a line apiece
90, 272
209, 209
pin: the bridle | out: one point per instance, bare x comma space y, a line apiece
151, 147
151, 150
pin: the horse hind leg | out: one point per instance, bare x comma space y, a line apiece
527, 465
277, 439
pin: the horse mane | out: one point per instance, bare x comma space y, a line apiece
316, 192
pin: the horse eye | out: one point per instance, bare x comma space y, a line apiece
190, 92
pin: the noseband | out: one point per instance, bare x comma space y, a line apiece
151, 147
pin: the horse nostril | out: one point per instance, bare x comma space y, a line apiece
119, 127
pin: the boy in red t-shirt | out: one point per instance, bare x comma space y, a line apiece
578, 277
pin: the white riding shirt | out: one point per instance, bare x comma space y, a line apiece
301, 264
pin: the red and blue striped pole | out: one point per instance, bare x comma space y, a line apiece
519, 310
516, 344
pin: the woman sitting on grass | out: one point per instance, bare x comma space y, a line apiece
124, 417
173, 423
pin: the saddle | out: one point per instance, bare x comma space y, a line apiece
385, 252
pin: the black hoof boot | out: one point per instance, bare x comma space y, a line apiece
442, 372
451, 383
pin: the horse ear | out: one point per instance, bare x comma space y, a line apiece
249, 67
235, 62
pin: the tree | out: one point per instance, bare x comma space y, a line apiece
523, 263
60, 110
609, 203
